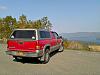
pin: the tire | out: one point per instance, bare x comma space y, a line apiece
17, 58
46, 57
61, 49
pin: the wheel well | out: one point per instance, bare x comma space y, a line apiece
48, 47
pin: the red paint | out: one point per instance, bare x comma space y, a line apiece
29, 46
32, 45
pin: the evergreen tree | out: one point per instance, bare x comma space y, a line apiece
22, 21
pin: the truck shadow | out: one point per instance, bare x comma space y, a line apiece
53, 53
33, 60
28, 61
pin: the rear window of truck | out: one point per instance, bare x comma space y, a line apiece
24, 34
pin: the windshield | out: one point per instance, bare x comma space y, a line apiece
24, 34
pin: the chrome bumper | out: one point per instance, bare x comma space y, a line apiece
39, 53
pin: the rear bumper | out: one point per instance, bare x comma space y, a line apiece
39, 53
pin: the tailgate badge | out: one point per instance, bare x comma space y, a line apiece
21, 42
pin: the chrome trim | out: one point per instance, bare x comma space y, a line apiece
37, 37
53, 48
26, 54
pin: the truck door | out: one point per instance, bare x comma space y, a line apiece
55, 41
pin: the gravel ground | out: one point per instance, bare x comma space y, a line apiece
69, 62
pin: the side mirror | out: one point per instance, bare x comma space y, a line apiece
12, 37
59, 37
33, 38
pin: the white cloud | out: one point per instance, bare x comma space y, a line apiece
3, 8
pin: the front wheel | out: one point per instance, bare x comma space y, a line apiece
61, 49
46, 57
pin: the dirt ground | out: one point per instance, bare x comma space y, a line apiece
69, 62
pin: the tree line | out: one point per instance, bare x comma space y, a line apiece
8, 24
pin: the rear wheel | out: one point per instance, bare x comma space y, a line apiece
17, 58
46, 57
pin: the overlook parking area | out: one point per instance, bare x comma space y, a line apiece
69, 62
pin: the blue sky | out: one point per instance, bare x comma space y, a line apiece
67, 16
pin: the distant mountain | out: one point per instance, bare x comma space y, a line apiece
83, 36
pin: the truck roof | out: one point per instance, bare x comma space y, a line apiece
25, 29
32, 29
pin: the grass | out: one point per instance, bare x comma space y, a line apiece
94, 47
75, 45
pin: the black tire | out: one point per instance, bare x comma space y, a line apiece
46, 57
61, 49
17, 58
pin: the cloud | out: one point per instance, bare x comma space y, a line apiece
3, 8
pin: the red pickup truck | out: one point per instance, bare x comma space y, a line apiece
34, 43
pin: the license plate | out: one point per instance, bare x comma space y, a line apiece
20, 53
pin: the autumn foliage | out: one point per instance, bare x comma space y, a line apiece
8, 24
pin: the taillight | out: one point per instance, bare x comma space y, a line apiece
38, 47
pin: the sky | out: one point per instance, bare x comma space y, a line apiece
66, 16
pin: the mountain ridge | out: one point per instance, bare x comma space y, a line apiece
83, 36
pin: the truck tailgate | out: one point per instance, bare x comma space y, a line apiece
21, 45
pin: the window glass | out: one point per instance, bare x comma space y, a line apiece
24, 33
47, 34
55, 34
44, 34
